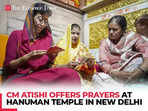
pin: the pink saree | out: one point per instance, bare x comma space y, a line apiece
19, 44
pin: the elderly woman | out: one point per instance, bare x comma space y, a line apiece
27, 60
122, 52
141, 24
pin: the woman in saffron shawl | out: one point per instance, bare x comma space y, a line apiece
26, 57
75, 50
76, 55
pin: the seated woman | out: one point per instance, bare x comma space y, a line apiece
75, 52
27, 61
121, 52
141, 24
87, 69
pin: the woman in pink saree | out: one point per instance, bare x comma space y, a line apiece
27, 61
